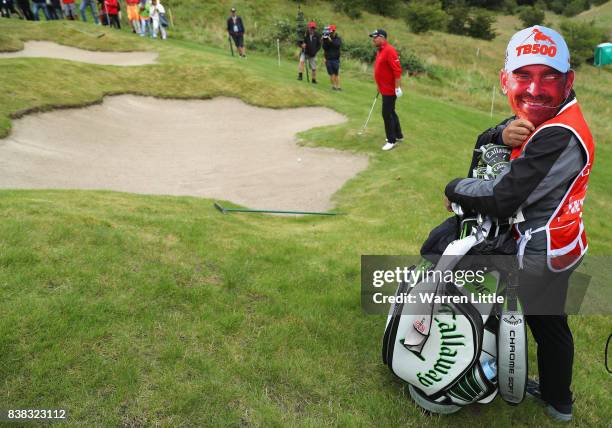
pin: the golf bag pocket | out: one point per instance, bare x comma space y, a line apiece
434, 345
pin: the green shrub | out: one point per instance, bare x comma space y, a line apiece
574, 7
411, 63
363, 52
351, 8
379, 7
458, 20
366, 53
581, 38
424, 16
480, 24
283, 29
531, 15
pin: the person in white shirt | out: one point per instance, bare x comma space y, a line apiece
157, 17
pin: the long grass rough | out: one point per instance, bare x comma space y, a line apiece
132, 310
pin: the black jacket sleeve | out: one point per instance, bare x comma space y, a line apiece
503, 196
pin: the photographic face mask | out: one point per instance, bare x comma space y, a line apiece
535, 92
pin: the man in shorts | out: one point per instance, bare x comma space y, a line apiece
235, 28
331, 48
311, 44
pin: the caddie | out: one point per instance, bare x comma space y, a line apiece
546, 182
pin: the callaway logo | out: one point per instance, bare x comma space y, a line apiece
493, 154
513, 320
549, 48
498, 168
447, 355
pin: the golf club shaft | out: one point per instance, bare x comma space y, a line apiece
306, 65
365, 125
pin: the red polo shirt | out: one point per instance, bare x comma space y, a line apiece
386, 69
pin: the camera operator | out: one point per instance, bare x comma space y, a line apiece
331, 48
310, 44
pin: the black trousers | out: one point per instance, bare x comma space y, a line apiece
26, 10
543, 297
114, 21
393, 130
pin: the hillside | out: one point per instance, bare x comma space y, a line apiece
601, 15
461, 69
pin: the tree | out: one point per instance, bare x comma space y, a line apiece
581, 38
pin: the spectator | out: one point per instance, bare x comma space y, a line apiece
158, 17
311, 44
70, 10
92, 7
235, 28
37, 6
331, 48
26, 10
55, 9
145, 18
6, 8
133, 15
112, 10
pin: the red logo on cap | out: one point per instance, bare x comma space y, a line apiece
537, 48
541, 37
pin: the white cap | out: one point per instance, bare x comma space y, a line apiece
537, 45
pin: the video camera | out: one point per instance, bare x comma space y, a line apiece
326, 32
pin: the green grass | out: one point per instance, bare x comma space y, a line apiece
138, 310
601, 15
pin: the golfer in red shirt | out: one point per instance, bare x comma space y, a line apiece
388, 76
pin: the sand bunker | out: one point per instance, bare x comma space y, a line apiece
221, 148
53, 50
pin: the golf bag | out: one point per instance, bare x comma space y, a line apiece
457, 348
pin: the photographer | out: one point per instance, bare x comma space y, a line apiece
311, 44
331, 48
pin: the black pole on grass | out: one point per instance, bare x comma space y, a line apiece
229, 39
245, 210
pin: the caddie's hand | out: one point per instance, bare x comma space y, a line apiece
516, 132
303, 45
398, 92
447, 205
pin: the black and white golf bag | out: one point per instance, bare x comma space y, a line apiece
451, 351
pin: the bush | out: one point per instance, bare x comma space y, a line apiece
458, 20
531, 15
360, 52
581, 38
574, 7
382, 7
350, 8
480, 25
424, 16
283, 29
411, 63
366, 53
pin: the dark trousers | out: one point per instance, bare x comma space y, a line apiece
543, 297
26, 10
114, 20
555, 356
393, 130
